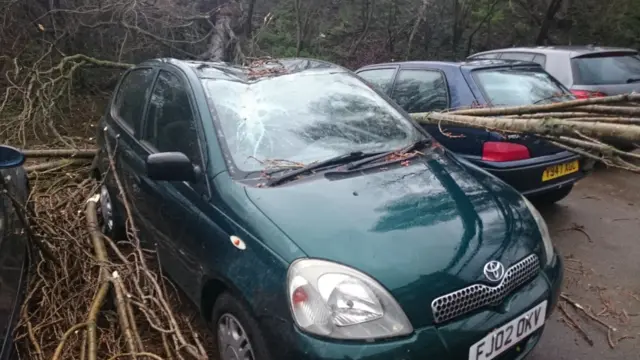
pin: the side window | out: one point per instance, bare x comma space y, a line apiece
421, 91
132, 95
540, 59
517, 56
380, 78
171, 124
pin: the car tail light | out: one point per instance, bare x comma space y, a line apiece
584, 94
504, 151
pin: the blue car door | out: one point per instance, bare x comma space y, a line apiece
516, 85
420, 90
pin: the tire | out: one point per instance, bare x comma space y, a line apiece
226, 310
115, 229
553, 196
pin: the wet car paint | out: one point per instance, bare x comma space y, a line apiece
439, 206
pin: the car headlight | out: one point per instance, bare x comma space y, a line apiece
544, 231
339, 302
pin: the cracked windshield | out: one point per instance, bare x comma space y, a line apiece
303, 118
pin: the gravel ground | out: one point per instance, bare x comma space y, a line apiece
597, 230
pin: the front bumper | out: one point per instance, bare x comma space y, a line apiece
449, 341
526, 175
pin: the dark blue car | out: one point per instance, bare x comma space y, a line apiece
533, 166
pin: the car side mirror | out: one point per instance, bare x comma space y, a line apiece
171, 166
10, 157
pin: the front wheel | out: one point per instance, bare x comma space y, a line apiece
237, 334
112, 223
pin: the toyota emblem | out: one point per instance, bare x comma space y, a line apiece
494, 271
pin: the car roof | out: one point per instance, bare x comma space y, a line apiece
257, 70
470, 64
572, 50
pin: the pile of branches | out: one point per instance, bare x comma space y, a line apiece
88, 296
605, 129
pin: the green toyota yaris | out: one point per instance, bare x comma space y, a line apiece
309, 217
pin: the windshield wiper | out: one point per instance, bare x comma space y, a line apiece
633, 80
416, 145
319, 164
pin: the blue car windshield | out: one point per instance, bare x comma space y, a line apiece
304, 117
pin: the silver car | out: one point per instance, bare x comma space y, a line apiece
587, 71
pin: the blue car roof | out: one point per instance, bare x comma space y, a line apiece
470, 65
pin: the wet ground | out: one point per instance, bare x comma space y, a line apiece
597, 230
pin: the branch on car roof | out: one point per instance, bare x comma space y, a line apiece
581, 105
554, 127
607, 134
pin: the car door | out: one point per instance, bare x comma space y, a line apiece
123, 124
425, 90
174, 211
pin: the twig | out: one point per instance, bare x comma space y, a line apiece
591, 316
63, 340
123, 312
88, 153
147, 354
54, 164
575, 324
579, 228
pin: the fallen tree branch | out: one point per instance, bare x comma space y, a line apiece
589, 315
576, 105
575, 324
54, 164
63, 340
610, 110
101, 256
84, 153
557, 115
554, 127
622, 120
592, 145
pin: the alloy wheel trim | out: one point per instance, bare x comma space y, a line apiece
233, 340
106, 208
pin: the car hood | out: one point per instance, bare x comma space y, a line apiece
421, 230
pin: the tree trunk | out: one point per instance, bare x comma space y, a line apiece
296, 5
543, 34
554, 127
222, 44
416, 25
365, 31
486, 18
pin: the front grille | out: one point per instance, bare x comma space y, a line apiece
449, 306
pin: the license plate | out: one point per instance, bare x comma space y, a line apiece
499, 340
556, 171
